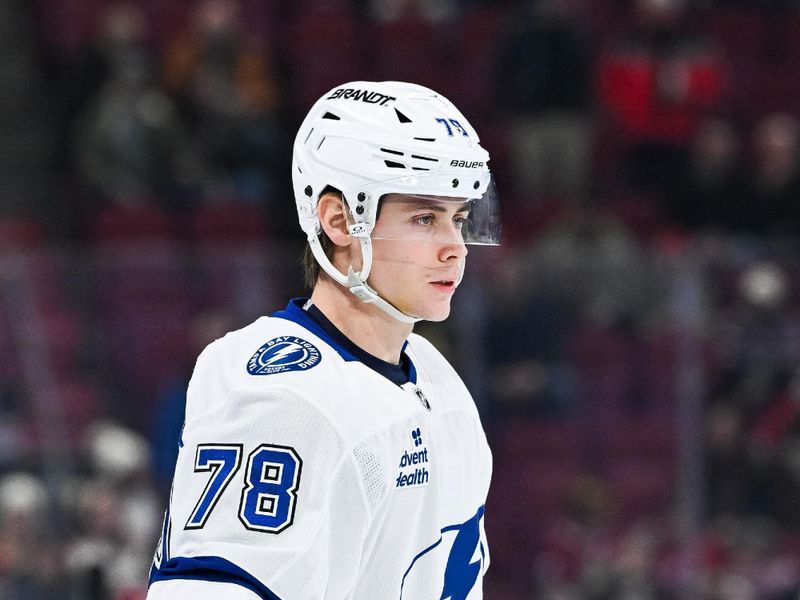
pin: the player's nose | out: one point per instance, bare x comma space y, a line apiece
453, 250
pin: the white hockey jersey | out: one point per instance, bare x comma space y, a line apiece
309, 470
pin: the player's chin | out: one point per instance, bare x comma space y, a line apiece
438, 318
435, 311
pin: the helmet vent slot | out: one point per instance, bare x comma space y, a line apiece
425, 158
401, 117
394, 165
425, 139
331, 116
397, 152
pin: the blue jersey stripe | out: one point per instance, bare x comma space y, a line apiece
209, 568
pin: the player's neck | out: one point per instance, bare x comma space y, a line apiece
365, 325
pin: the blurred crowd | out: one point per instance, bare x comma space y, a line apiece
633, 346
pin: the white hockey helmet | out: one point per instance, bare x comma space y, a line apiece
369, 139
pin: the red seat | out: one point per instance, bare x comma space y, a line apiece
741, 34
18, 234
49, 274
9, 362
651, 437
64, 333
529, 495
641, 487
143, 301
117, 223
67, 25
139, 274
229, 222
605, 363
147, 347
521, 442
242, 278
739, 31
327, 49
82, 405
166, 20
474, 89
413, 49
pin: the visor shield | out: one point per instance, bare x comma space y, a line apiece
473, 219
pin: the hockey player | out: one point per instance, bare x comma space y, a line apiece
328, 452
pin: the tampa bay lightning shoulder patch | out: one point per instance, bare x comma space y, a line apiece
282, 354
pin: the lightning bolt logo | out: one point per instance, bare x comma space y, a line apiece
462, 571
465, 558
289, 349
282, 354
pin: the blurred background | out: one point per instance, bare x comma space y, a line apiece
634, 345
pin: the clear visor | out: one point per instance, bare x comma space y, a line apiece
441, 219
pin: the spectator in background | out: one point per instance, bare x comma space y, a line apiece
129, 142
12, 419
526, 332
543, 83
118, 517
79, 75
29, 565
655, 84
774, 207
752, 415
775, 442
593, 263
761, 326
710, 192
226, 84
729, 470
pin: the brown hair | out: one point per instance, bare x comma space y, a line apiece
311, 268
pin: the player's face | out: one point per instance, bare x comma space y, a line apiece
419, 253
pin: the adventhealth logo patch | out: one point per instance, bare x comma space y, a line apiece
285, 353
414, 463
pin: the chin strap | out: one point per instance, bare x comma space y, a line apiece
356, 282
366, 294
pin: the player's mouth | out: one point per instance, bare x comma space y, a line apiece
445, 285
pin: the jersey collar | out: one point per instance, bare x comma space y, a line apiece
312, 319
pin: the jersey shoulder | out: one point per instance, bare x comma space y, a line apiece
279, 358
269, 346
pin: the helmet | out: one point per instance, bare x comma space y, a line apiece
369, 139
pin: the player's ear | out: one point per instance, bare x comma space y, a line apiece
332, 213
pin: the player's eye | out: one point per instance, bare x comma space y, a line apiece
461, 221
424, 219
